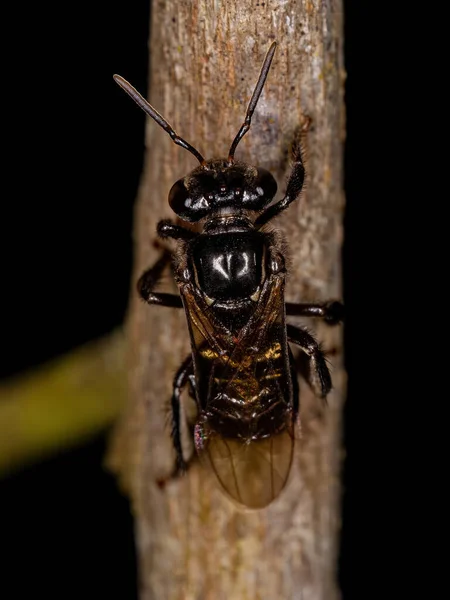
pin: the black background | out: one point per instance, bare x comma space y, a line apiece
66, 258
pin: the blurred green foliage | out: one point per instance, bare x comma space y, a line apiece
61, 403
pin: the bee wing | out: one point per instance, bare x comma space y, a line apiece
254, 473
264, 340
236, 364
251, 454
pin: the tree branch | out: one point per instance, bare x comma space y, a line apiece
205, 57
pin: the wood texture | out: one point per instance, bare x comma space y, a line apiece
193, 543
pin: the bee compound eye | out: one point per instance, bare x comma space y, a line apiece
267, 183
187, 204
179, 197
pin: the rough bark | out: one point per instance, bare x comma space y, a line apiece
205, 59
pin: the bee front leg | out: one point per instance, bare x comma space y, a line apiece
293, 188
150, 279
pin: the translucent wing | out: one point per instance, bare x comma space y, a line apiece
252, 473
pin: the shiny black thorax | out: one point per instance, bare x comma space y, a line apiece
229, 265
229, 269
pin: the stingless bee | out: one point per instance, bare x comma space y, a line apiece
231, 278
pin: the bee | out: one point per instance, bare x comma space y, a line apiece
231, 279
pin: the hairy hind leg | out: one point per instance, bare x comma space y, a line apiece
320, 378
182, 377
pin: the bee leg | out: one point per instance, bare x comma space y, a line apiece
182, 377
293, 188
319, 375
167, 229
332, 312
295, 389
150, 279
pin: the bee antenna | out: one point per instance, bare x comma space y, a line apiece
154, 114
253, 102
